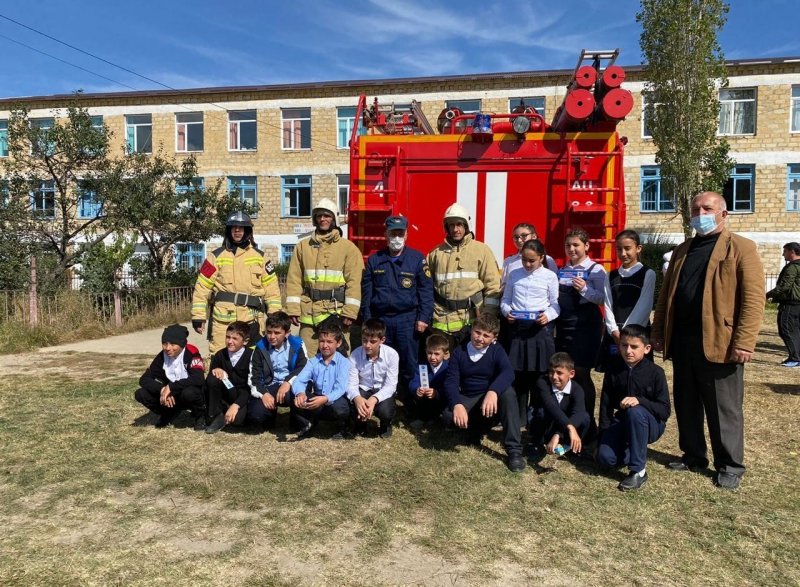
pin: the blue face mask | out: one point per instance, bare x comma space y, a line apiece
704, 224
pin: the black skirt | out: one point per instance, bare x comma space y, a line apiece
530, 346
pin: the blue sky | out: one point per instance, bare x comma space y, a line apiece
248, 42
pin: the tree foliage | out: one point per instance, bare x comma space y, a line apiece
684, 66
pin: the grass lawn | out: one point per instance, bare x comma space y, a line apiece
92, 494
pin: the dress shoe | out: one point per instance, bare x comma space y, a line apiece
516, 464
165, 419
217, 424
727, 481
681, 466
199, 423
304, 431
387, 433
632, 482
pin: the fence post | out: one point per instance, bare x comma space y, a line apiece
117, 298
34, 295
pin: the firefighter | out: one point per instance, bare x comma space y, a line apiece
324, 279
397, 288
235, 282
466, 279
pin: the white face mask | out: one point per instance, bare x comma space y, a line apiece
396, 243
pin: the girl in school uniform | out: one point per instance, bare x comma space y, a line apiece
628, 295
522, 233
530, 305
581, 287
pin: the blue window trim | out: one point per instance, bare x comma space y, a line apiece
792, 203
652, 174
301, 182
189, 256
287, 251
735, 177
89, 206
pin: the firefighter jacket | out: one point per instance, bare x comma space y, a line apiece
227, 272
324, 278
466, 280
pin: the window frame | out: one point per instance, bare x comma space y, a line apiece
790, 175
197, 256
238, 124
187, 125
794, 101
660, 199
38, 122
287, 187
346, 194
350, 122
292, 131
240, 189
135, 126
36, 212
735, 101
82, 204
525, 99
3, 138
182, 188
287, 252
736, 176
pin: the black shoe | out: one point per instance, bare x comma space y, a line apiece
632, 482
304, 430
199, 423
217, 424
341, 435
165, 419
387, 433
516, 464
681, 466
727, 481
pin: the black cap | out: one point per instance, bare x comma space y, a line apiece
396, 223
175, 334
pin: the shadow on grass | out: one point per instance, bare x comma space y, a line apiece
663, 458
784, 388
146, 419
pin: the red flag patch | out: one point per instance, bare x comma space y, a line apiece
207, 270
197, 363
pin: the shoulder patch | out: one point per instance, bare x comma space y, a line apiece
208, 269
426, 268
193, 349
197, 363
269, 267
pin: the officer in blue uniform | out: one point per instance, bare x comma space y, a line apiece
397, 288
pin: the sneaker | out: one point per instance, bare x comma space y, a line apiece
516, 464
217, 424
632, 482
790, 364
386, 433
727, 481
305, 430
165, 419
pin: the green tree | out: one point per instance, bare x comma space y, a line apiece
101, 262
684, 67
55, 164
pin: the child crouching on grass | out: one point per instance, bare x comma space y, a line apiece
227, 389
174, 380
426, 402
634, 407
478, 389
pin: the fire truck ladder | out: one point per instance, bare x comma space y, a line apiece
373, 214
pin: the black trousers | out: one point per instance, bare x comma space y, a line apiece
423, 408
220, 398
543, 427
524, 387
713, 392
789, 329
259, 414
338, 411
507, 412
188, 398
384, 411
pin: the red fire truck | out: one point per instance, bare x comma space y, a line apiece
503, 168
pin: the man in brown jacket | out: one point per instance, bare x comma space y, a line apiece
707, 320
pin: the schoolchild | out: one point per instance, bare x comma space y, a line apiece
328, 372
634, 407
628, 294
560, 417
227, 389
581, 287
522, 233
277, 359
478, 390
530, 305
427, 402
174, 380
374, 370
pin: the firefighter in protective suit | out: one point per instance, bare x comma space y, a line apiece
235, 282
466, 279
324, 278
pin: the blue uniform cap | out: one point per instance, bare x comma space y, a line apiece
396, 223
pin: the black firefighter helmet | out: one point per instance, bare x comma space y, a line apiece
243, 220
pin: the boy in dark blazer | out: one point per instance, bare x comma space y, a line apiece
426, 403
227, 390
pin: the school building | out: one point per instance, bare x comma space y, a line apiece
285, 146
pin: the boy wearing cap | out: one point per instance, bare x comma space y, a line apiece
397, 289
174, 380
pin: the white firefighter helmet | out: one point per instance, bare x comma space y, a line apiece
456, 212
327, 205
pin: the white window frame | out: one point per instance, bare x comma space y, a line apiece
186, 127
3, 138
343, 192
238, 124
349, 122
734, 102
45, 187
134, 148
292, 127
794, 105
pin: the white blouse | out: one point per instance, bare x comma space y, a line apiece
530, 292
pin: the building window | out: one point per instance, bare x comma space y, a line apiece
3, 138
653, 198
286, 253
343, 189
296, 128
345, 120
189, 131
536, 102
44, 145
182, 189
245, 188
793, 188
89, 206
737, 112
242, 127
43, 202
139, 133
740, 189
466, 106
189, 256
795, 108
296, 201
